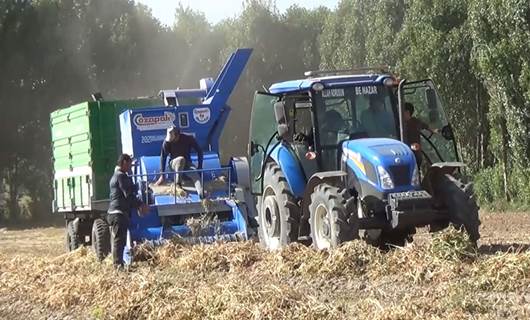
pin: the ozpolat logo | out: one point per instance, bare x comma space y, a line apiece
160, 122
201, 115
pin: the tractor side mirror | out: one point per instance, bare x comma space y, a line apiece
281, 119
283, 130
447, 133
431, 99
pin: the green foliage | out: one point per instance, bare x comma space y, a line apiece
452, 245
490, 193
501, 34
56, 52
435, 44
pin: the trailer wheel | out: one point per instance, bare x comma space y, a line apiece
462, 207
278, 213
101, 239
329, 215
72, 237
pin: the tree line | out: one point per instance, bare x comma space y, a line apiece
54, 53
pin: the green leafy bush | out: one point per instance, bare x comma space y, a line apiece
489, 189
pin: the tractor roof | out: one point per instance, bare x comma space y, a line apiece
328, 81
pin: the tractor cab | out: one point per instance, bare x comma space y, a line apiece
351, 132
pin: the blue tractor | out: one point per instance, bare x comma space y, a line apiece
330, 161
224, 210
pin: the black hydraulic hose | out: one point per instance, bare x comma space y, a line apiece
263, 163
426, 156
267, 155
400, 110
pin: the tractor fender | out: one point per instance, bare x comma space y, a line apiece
334, 178
437, 171
442, 165
240, 171
291, 168
241, 174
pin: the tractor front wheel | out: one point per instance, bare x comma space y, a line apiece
463, 210
101, 239
329, 217
278, 213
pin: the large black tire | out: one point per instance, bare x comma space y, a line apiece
329, 217
72, 237
278, 213
460, 202
101, 239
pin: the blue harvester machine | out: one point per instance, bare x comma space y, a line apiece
228, 202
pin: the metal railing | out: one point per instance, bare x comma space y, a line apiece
143, 181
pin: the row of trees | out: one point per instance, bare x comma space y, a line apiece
477, 53
56, 52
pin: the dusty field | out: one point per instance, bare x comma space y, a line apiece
435, 278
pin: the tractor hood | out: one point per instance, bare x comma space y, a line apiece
367, 158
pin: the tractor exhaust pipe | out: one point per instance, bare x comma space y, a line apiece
400, 110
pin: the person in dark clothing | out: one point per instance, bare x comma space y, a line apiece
178, 147
122, 200
413, 127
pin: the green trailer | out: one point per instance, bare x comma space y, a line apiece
85, 144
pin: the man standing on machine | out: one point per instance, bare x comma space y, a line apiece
413, 127
178, 147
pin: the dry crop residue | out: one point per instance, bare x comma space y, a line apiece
436, 278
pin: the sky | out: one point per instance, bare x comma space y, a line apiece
216, 10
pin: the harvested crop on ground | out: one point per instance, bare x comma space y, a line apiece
439, 278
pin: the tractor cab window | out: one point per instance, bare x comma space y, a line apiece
336, 120
350, 113
366, 111
437, 142
298, 109
262, 131
301, 124
376, 114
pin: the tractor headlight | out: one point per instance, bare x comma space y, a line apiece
384, 177
389, 82
317, 86
415, 177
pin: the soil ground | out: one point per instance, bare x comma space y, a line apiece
504, 232
499, 232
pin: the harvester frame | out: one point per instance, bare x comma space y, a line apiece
138, 129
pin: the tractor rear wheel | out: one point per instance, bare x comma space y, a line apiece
329, 215
278, 213
72, 237
101, 238
461, 204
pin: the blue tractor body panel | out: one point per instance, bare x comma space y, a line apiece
143, 130
328, 82
294, 174
363, 156
142, 134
